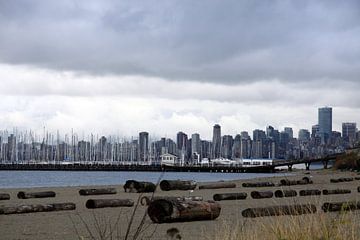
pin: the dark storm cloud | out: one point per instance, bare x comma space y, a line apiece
215, 41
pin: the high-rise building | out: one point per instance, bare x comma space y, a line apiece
216, 141
349, 132
258, 135
143, 146
315, 131
195, 144
325, 124
226, 146
289, 132
181, 140
304, 135
236, 150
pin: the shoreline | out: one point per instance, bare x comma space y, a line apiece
61, 225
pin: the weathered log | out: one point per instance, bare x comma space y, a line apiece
139, 187
165, 211
309, 192
285, 193
344, 179
340, 206
146, 200
37, 208
357, 178
97, 191
167, 185
358, 189
45, 194
336, 191
279, 210
4, 196
105, 203
218, 185
303, 181
259, 184
260, 195
229, 196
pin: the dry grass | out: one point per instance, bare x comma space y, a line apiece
321, 226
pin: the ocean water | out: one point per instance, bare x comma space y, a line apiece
28, 179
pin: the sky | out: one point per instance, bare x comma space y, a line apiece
121, 67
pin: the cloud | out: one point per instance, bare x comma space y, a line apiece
227, 42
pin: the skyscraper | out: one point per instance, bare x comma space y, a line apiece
216, 141
304, 135
325, 124
195, 144
143, 146
289, 131
349, 132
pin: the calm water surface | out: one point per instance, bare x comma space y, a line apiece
28, 179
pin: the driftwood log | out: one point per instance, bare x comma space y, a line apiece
344, 179
340, 206
167, 185
139, 187
105, 203
259, 184
218, 185
279, 210
229, 196
310, 192
97, 191
37, 208
260, 195
303, 181
147, 200
45, 194
166, 211
4, 196
358, 189
336, 191
285, 193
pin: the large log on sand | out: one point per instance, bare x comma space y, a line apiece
139, 187
45, 194
344, 179
303, 181
336, 191
285, 193
147, 200
279, 210
97, 191
310, 192
259, 184
260, 195
229, 196
166, 211
4, 196
104, 203
37, 208
218, 185
167, 185
340, 206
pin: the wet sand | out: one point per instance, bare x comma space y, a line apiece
74, 224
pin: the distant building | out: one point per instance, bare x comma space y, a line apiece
143, 146
304, 135
325, 124
182, 145
168, 159
195, 143
349, 132
216, 141
315, 131
226, 147
289, 132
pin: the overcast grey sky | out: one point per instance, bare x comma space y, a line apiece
164, 66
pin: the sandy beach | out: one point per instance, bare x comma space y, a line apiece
74, 224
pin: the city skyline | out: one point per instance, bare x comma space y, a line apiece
128, 67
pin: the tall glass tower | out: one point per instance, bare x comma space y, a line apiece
325, 124
216, 141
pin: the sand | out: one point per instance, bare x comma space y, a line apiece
74, 224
